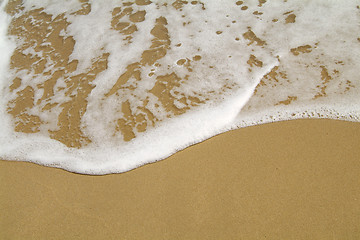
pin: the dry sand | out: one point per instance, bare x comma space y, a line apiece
288, 180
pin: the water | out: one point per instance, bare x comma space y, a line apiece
102, 87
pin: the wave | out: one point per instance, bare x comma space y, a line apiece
104, 87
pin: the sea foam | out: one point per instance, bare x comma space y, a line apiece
101, 87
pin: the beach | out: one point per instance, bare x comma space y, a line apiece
98, 93
286, 180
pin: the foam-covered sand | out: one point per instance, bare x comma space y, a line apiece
316, 76
102, 87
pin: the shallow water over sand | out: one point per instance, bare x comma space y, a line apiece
102, 87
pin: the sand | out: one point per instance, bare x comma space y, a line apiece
287, 180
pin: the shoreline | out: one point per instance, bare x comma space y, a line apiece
278, 180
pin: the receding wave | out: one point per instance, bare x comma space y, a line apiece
100, 87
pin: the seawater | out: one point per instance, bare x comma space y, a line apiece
101, 87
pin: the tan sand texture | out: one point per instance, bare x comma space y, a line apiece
288, 180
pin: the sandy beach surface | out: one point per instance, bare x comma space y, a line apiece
287, 180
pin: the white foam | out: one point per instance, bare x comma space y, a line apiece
6, 49
222, 81
328, 28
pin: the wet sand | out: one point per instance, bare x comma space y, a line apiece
288, 180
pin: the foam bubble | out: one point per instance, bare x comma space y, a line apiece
99, 87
